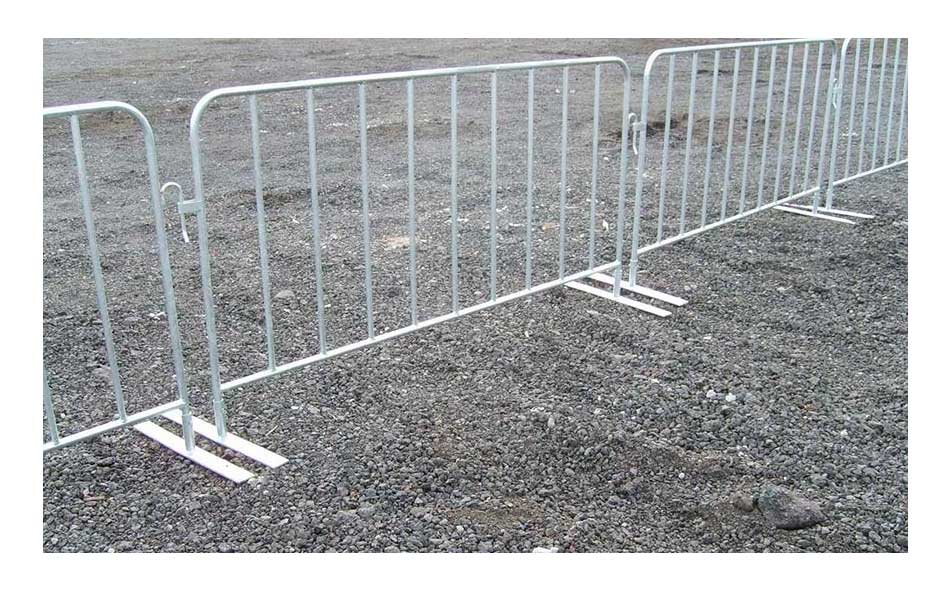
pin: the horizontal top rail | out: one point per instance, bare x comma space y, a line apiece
97, 107
722, 46
255, 89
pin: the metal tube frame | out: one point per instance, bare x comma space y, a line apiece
671, 53
180, 410
73, 114
874, 166
310, 86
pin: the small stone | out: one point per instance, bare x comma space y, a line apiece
545, 550
551, 423
284, 295
366, 512
788, 510
730, 398
485, 547
711, 394
743, 502
631, 488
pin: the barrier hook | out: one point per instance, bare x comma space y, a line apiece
180, 203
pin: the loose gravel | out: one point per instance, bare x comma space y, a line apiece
564, 422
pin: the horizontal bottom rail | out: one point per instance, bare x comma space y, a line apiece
130, 420
734, 218
258, 376
885, 167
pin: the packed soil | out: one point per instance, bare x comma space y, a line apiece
563, 420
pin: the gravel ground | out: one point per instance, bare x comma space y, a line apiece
564, 421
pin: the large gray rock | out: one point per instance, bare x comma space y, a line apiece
788, 510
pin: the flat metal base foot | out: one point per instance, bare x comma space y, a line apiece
604, 278
204, 458
809, 212
619, 299
201, 457
236, 443
835, 212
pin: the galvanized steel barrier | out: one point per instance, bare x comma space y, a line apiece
736, 188
73, 114
307, 88
184, 445
874, 149
771, 171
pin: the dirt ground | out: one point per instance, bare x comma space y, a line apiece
562, 421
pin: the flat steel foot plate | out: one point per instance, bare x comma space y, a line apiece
834, 212
236, 443
809, 212
201, 457
619, 299
604, 278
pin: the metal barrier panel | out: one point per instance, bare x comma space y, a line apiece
74, 113
763, 143
869, 128
316, 99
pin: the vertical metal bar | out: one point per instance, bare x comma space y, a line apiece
750, 128
315, 217
529, 181
824, 137
813, 112
454, 202
365, 207
687, 149
411, 198
262, 231
849, 132
492, 193
879, 102
664, 149
710, 135
171, 312
94, 258
869, 78
892, 102
591, 217
622, 184
902, 112
48, 409
208, 299
796, 134
783, 122
763, 152
562, 183
730, 136
837, 87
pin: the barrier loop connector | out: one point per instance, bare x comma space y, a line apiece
635, 129
185, 206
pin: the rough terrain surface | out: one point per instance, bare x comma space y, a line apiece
562, 421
